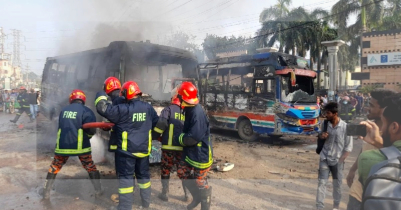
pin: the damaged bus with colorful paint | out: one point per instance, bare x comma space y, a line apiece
267, 93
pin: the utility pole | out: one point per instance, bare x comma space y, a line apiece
16, 48
363, 21
2, 35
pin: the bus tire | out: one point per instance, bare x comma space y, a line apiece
245, 131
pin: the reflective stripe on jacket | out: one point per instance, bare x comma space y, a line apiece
175, 123
134, 122
72, 140
196, 126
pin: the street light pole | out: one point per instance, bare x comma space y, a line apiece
333, 47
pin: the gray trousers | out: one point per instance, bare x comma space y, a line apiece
353, 204
337, 175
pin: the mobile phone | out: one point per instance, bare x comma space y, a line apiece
356, 130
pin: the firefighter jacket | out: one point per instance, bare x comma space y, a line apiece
134, 122
72, 140
170, 124
113, 136
23, 100
346, 111
198, 149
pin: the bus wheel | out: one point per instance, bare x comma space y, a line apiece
245, 131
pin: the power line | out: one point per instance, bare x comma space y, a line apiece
171, 3
222, 9
196, 8
177, 7
319, 3
217, 19
294, 27
222, 26
206, 10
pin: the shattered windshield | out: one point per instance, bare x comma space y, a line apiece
289, 60
303, 92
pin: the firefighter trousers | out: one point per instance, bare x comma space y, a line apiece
59, 161
21, 111
128, 167
169, 160
186, 171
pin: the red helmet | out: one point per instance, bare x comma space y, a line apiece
130, 89
188, 93
111, 84
176, 101
77, 94
22, 88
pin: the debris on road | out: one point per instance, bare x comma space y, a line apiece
225, 167
114, 198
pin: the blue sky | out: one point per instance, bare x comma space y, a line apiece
54, 27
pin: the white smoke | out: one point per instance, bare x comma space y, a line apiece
98, 149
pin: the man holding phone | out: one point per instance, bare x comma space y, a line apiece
375, 108
389, 134
336, 149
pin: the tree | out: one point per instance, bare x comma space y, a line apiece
183, 41
344, 9
214, 44
346, 61
367, 89
279, 10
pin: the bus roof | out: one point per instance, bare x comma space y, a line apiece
260, 59
134, 47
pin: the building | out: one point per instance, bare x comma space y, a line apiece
381, 59
7, 70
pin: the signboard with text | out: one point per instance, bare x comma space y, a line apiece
384, 59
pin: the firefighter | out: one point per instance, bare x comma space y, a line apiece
197, 156
112, 87
347, 110
170, 123
134, 122
23, 100
72, 140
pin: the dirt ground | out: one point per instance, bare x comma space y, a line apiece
267, 175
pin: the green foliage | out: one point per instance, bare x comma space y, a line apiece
214, 44
368, 88
183, 41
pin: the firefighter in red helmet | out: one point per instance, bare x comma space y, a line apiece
197, 156
72, 140
134, 122
24, 103
112, 87
170, 123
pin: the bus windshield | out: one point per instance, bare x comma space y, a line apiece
302, 92
294, 61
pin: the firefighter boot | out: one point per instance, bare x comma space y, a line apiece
165, 184
194, 190
50, 178
95, 179
185, 192
15, 119
206, 198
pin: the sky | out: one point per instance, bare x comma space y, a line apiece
54, 27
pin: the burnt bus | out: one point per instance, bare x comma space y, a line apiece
152, 66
